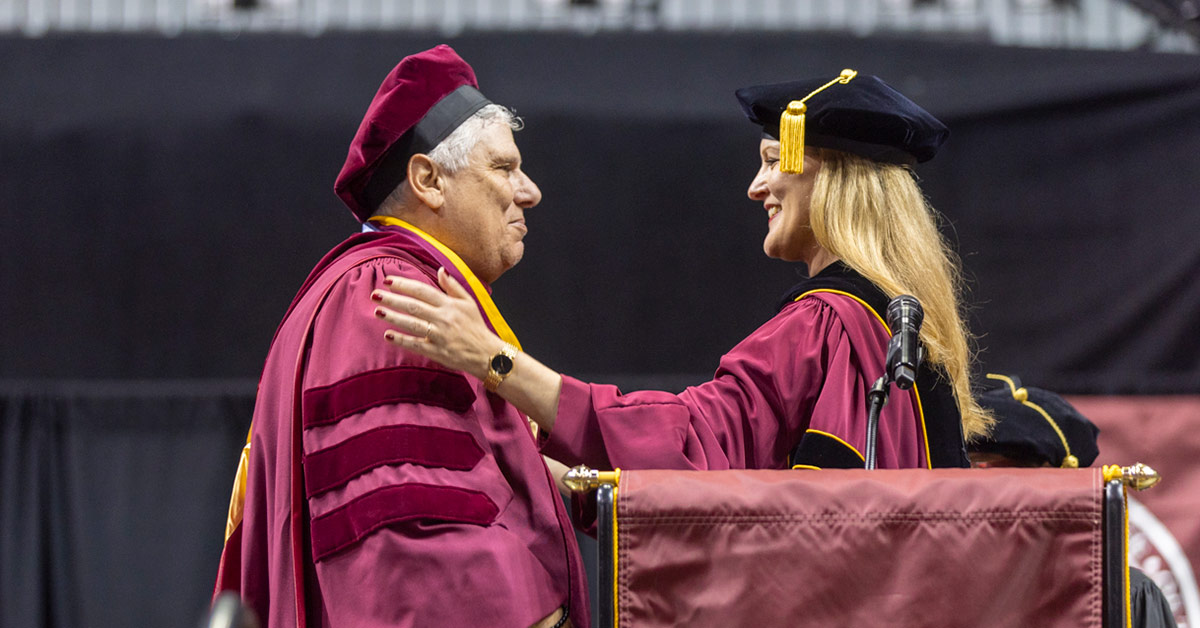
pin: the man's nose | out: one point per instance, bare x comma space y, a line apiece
527, 193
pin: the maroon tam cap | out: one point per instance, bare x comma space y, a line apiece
422, 100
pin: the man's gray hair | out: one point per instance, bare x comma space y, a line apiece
452, 152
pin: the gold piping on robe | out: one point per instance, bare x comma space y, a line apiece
917, 393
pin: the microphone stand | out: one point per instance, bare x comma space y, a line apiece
876, 398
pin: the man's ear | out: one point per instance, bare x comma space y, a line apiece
427, 181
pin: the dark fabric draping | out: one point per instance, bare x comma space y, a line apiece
114, 498
190, 181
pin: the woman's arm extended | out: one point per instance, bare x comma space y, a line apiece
447, 328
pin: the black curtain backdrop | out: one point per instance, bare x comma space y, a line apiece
162, 199
114, 499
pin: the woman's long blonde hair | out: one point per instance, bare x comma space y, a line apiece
875, 218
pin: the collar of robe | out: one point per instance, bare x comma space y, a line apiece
459, 269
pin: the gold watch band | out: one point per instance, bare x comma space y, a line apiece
505, 360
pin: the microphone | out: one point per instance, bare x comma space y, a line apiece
904, 354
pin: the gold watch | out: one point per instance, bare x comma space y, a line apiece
500, 366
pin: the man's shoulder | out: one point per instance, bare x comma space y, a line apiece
379, 248
339, 286
350, 262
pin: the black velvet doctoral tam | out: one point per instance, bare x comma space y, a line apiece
865, 116
1026, 418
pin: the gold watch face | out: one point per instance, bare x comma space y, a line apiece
501, 364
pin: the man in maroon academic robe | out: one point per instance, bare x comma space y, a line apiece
379, 488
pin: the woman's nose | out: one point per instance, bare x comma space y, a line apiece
758, 187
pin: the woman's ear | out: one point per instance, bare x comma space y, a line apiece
427, 181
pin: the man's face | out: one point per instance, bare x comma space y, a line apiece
485, 205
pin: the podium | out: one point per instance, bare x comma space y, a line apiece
946, 547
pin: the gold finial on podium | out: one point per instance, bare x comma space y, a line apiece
582, 479
1138, 477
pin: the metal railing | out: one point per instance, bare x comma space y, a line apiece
1099, 24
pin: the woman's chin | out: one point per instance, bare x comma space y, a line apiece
779, 251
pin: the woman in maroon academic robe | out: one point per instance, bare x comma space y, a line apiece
845, 203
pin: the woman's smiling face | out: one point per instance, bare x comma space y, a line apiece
786, 198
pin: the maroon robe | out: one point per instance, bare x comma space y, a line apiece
419, 498
801, 378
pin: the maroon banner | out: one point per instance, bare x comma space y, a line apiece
1163, 432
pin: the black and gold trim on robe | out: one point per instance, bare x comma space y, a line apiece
819, 450
943, 423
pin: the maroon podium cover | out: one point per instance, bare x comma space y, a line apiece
950, 547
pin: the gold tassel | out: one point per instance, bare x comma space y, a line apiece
791, 128
791, 138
